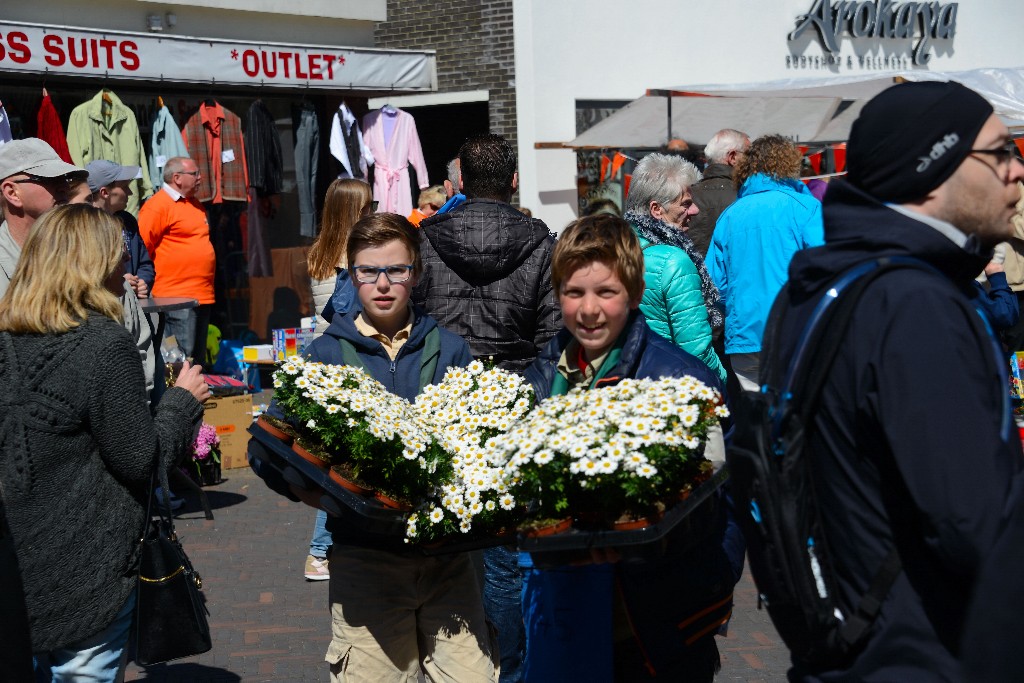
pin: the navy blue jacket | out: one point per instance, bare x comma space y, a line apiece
998, 301
692, 579
911, 442
400, 376
141, 264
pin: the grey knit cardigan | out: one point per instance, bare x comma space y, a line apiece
78, 445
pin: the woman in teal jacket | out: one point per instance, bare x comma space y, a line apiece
680, 301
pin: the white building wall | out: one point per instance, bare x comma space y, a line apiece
613, 49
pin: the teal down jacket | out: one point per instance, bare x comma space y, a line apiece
673, 303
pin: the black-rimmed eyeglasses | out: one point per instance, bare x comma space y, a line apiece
368, 275
1004, 154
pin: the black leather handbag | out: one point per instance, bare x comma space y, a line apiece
170, 613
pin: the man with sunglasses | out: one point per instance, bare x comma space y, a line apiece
33, 180
173, 226
911, 442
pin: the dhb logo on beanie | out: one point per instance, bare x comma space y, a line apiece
938, 149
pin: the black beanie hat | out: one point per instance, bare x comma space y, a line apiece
910, 138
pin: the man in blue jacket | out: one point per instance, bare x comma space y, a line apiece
773, 217
912, 442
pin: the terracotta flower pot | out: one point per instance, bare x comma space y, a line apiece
274, 431
631, 523
346, 483
391, 503
309, 457
556, 526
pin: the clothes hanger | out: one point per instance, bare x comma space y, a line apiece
210, 101
107, 103
159, 101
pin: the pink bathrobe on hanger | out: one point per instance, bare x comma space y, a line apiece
391, 185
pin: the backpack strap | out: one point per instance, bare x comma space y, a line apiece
350, 355
430, 357
824, 347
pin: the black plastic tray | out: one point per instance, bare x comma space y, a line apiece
570, 546
365, 513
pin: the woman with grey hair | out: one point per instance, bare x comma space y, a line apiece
680, 301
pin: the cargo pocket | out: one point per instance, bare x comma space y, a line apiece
338, 655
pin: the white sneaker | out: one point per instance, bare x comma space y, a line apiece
316, 568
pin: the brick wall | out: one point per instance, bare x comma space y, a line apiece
474, 44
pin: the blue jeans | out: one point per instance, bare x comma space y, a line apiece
503, 605
182, 326
190, 329
97, 659
322, 540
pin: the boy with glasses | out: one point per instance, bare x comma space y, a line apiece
396, 614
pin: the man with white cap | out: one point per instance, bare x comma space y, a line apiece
110, 185
33, 180
911, 440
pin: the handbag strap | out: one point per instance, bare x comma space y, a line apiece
163, 507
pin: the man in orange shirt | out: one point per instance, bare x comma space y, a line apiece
173, 226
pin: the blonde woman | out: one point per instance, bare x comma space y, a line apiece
79, 443
347, 201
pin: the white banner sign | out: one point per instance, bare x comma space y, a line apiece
37, 48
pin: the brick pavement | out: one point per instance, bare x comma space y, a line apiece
269, 624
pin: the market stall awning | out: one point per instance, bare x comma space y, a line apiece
643, 123
1002, 87
71, 51
838, 129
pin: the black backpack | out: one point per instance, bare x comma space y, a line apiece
771, 481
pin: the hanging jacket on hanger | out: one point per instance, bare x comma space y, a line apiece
391, 184
105, 128
347, 145
49, 128
213, 137
166, 143
5, 126
258, 255
306, 130
263, 150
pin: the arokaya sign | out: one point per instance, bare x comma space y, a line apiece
879, 19
38, 48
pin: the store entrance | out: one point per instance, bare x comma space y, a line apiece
443, 128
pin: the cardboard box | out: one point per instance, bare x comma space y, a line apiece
257, 352
231, 417
291, 341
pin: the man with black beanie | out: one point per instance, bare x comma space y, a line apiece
911, 444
